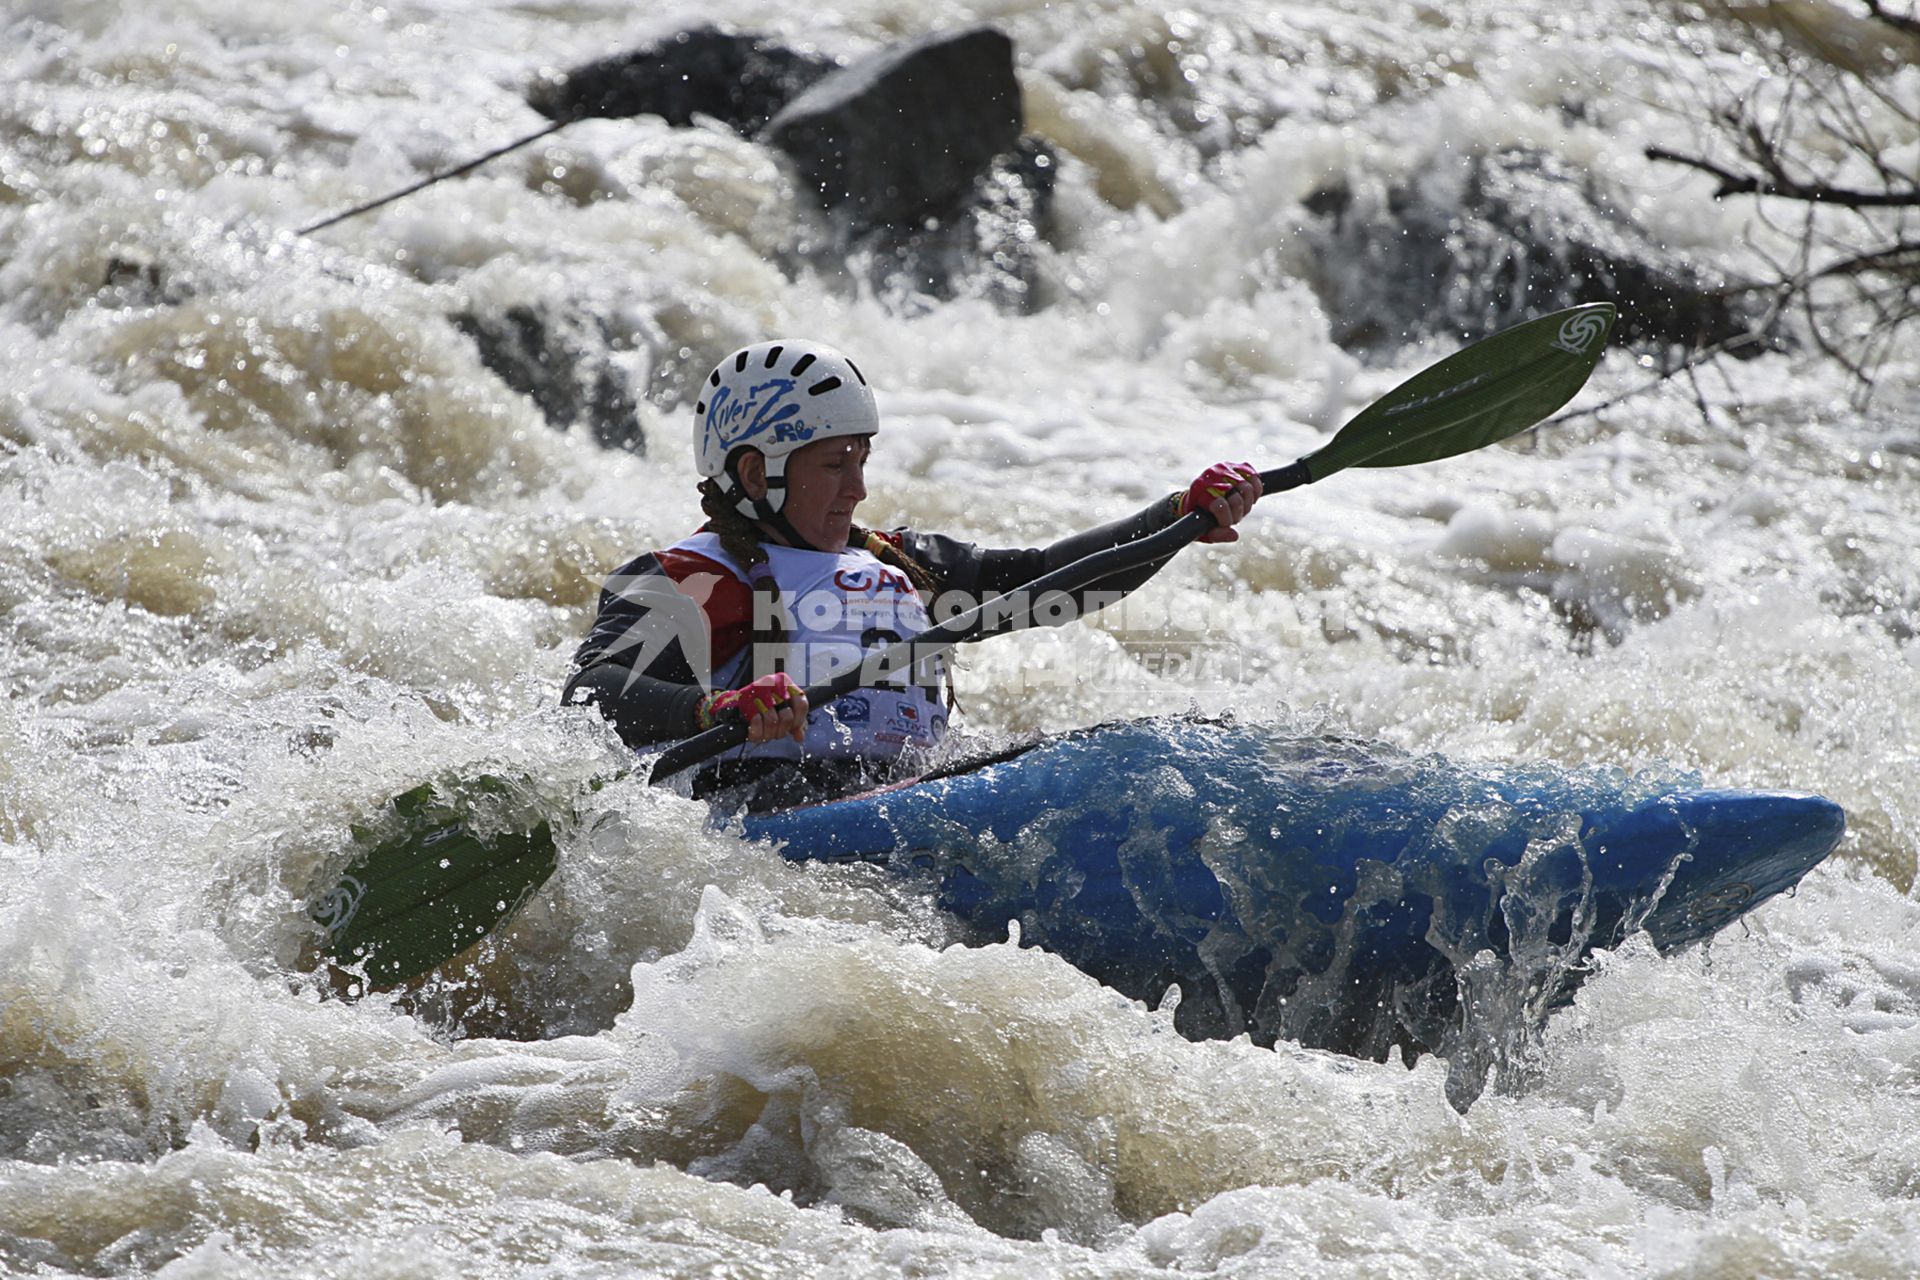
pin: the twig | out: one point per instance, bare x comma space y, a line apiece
442, 176
1878, 260
1686, 366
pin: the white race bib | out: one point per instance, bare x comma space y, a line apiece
840, 607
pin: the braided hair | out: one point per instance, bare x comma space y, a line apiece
742, 540
924, 580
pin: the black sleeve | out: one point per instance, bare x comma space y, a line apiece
643, 710
969, 574
626, 670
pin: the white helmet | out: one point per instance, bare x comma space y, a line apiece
776, 397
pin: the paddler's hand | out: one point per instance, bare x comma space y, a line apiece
1228, 490
773, 707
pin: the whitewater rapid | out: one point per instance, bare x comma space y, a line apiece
275, 546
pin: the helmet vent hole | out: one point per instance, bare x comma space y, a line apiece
801, 365
821, 388
773, 355
856, 372
701, 407
740, 365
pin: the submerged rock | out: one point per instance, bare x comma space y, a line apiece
740, 80
1517, 234
987, 247
131, 279
564, 364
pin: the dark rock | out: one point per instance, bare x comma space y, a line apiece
904, 135
914, 152
130, 280
562, 363
742, 80
1524, 233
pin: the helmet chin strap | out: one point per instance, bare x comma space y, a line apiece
770, 510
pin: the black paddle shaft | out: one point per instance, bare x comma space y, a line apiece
1010, 612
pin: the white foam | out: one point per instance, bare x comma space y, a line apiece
240, 608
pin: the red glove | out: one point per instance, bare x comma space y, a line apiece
1228, 489
777, 698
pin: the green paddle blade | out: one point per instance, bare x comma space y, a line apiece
1475, 397
422, 893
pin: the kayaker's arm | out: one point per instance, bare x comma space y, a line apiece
977, 573
664, 703
636, 667
642, 709
1148, 520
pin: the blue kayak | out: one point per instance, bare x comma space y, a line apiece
1326, 890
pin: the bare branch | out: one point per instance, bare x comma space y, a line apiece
1821, 129
1905, 255
1777, 183
1687, 366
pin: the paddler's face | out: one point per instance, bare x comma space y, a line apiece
826, 480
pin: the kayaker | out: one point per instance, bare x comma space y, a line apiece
780, 589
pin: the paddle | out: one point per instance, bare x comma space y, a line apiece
1471, 399
428, 885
